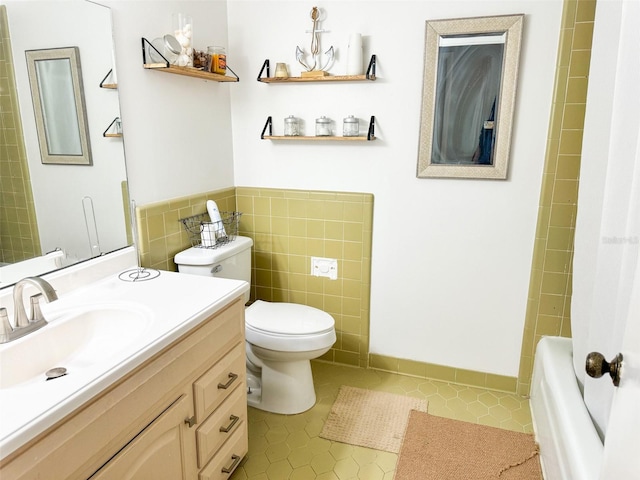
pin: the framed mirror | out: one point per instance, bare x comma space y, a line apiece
55, 216
55, 76
468, 97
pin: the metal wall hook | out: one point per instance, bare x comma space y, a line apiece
596, 366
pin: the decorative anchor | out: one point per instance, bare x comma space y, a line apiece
315, 48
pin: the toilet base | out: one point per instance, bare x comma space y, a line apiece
282, 387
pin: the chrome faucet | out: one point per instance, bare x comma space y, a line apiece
23, 324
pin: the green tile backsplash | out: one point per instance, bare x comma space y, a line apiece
291, 226
161, 234
288, 227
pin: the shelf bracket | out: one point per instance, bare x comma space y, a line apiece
117, 134
144, 52
372, 124
107, 85
234, 73
264, 65
371, 69
267, 125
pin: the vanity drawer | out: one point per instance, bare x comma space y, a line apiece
228, 458
221, 425
219, 381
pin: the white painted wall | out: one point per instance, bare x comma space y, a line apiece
177, 129
451, 258
60, 189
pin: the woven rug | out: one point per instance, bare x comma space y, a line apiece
437, 448
369, 418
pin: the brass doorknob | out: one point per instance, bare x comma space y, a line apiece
597, 366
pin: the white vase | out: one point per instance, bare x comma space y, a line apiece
354, 55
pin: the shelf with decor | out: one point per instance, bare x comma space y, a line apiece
267, 134
165, 66
369, 75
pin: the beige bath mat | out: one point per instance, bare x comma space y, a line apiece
437, 448
369, 418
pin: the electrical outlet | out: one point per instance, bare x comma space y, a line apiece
324, 267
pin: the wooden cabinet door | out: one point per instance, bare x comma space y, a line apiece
164, 450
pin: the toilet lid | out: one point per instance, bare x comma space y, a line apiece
287, 318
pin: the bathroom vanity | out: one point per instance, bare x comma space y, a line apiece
171, 405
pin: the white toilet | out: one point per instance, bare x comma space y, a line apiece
282, 338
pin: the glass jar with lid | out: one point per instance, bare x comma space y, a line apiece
350, 127
291, 126
323, 127
218, 59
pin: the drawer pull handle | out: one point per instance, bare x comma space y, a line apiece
232, 378
191, 421
228, 428
233, 465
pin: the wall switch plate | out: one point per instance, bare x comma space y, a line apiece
324, 267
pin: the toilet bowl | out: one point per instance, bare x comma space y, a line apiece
281, 338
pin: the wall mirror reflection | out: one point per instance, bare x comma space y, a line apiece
470, 76
53, 216
55, 76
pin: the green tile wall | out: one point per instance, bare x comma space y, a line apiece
288, 228
19, 237
161, 234
549, 299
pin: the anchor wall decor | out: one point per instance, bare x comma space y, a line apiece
315, 67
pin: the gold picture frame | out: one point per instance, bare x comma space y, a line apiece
468, 97
55, 77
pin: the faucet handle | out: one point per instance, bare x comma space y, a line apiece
5, 326
36, 312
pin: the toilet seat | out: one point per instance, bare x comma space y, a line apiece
287, 318
288, 327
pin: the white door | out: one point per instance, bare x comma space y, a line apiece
621, 457
606, 296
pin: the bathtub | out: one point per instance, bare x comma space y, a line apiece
570, 447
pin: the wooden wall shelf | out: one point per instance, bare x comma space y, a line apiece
115, 131
330, 78
318, 139
190, 72
104, 84
370, 75
268, 127
185, 71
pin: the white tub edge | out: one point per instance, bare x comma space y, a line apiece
570, 447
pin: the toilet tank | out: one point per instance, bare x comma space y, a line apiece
232, 260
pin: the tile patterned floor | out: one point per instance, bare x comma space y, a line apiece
288, 446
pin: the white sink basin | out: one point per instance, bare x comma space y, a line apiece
73, 339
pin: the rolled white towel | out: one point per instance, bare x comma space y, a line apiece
216, 220
208, 235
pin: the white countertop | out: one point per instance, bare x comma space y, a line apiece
174, 302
